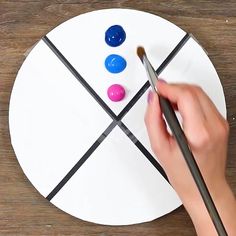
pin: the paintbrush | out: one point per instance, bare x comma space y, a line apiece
180, 137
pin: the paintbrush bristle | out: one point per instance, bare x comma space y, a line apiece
141, 52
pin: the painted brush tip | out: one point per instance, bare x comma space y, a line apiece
141, 52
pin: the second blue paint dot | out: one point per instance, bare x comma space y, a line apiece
115, 63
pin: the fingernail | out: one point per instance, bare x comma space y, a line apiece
150, 96
162, 81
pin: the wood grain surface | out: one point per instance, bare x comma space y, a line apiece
23, 211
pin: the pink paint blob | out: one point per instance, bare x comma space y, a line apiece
116, 92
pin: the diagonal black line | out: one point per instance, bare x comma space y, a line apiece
133, 100
81, 161
174, 52
106, 108
159, 70
145, 152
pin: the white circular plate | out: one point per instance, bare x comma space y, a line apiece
63, 126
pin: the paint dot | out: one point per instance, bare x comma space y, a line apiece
115, 35
115, 63
116, 92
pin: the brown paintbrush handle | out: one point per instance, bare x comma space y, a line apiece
180, 137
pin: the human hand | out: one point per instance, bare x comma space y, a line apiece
207, 134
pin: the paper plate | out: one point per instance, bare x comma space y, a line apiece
88, 155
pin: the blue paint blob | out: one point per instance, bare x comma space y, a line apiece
115, 35
115, 63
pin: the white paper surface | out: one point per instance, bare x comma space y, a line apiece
54, 120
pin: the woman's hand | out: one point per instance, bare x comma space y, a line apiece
207, 134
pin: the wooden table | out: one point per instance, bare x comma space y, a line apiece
23, 211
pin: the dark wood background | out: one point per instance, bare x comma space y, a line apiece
23, 211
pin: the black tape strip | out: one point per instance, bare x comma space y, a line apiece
173, 53
81, 161
159, 70
145, 152
79, 78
